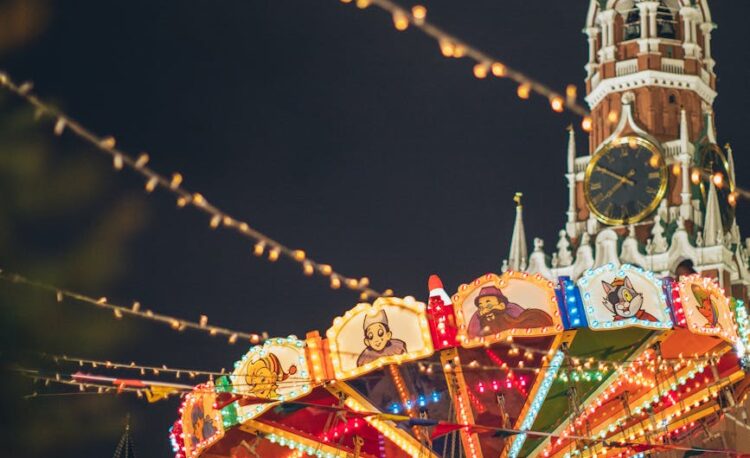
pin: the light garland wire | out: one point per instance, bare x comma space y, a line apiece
264, 245
582, 364
104, 389
451, 46
135, 310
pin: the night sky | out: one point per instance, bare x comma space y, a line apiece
325, 128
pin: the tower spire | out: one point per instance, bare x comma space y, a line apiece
571, 177
730, 160
712, 228
518, 248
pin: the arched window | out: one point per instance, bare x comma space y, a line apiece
666, 26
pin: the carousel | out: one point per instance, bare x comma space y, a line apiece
618, 363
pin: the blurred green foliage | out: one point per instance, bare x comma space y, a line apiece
61, 223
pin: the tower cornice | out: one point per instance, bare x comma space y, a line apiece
650, 78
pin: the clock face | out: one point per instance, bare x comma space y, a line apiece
625, 181
712, 162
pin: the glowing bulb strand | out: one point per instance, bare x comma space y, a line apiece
174, 185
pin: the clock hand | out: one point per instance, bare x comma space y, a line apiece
614, 188
606, 171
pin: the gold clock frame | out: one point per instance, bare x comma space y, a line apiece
663, 181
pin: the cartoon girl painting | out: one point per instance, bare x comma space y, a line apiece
495, 313
263, 376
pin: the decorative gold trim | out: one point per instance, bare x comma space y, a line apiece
654, 203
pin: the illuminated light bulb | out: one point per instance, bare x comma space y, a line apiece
259, 248
118, 313
151, 184
203, 321
612, 117
524, 90
232, 339
732, 199
362, 4
175, 324
571, 92
363, 296
499, 69
107, 142
459, 51
718, 179
632, 142
307, 268
60, 126
182, 201
141, 161
654, 161
117, 161
299, 255
364, 282
419, 13
400, 21
176, 181
388, 292
325, 269
273, 254
215, 221
198, 199
136, 306
447, 48
676, 169
587, 124
480, 71
335, 282
557, 103
346, 1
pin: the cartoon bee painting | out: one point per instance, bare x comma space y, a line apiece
623, 301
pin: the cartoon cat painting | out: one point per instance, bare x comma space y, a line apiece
624, 301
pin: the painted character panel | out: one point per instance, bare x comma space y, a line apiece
623, 296
515, 304
367, 337
495, 313
379, 339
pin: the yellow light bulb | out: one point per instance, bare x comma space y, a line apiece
695, 176
676, 169
447, 48
419, 12
612, 117
499, 69
732, 199
362, 4
524, 90
587, 124
480, 71
400, 21
571, 92
557, 103
718, 179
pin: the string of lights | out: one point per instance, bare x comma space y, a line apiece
485, 65
155, 370
136, 310
263, 244
591, 440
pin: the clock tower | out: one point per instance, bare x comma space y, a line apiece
654, 187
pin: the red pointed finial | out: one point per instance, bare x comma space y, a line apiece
434, 283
